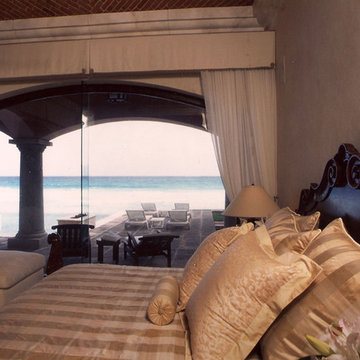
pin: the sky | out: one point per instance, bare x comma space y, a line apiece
124, 148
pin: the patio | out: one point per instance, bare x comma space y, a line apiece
201, 225
182, 248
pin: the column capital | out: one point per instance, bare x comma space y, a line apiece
20, 142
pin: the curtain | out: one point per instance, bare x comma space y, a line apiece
241, 115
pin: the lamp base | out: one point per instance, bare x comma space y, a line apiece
254, 220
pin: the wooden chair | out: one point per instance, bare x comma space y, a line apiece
149, 245
75, 239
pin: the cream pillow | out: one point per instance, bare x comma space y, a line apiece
162, 307
242, 294
291, 232
282, 218
204, 257
286, 240
287, 218
332, 296
307, 222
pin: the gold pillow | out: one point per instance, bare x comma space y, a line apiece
307, 223
162, 307
288, 218
332, 296
286, 240
204, 257
242, 294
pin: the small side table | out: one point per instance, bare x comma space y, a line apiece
115, 244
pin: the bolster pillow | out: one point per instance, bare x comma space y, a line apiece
162, 307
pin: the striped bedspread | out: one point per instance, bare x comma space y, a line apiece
90, 311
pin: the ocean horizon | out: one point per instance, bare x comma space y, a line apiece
104, 196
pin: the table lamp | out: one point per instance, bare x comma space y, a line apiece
252, 203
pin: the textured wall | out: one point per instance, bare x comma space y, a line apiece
318, 82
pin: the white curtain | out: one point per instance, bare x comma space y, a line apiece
241, 115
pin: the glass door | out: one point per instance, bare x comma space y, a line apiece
85, 212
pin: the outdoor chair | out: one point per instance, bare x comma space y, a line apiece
75, 240
178, 218
136, 218
149, 208
183, 206
149, 245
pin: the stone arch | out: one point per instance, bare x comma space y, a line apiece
47, 112
37, 115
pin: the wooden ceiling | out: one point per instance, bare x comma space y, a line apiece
26, 9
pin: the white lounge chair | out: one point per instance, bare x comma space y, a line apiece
178, 218
183, 206
149, 208
136, 218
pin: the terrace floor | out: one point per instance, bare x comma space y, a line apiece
201, 225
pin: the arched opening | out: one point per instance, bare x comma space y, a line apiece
45, 112
48, 113
130, 162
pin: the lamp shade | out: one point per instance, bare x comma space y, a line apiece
252, 202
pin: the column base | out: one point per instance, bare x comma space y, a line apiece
28, 242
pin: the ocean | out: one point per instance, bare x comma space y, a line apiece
110, 196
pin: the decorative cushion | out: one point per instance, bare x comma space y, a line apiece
288, 230
307, 223
242, 294
287, 218
286, 240
282, 218
162, 307
332, 296
204, 257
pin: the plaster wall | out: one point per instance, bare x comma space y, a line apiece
318, 82
168, 47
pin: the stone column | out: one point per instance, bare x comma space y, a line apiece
31, 234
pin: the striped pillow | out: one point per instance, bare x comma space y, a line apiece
332, 296
205, 256
290, 231
242, 294
293, 241
283, 218
288, 218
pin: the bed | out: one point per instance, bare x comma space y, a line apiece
245, 293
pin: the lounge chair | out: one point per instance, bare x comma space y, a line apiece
149, 208
183, 206
136, 218
178, 218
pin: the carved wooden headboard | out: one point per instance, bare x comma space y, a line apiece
338, 193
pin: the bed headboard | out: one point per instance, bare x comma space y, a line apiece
338, 193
